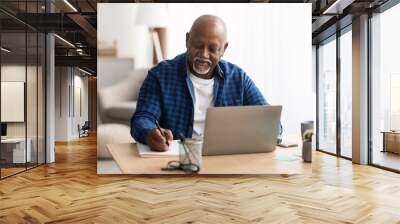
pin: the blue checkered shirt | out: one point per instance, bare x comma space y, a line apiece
167, 95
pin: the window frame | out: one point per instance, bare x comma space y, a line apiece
381, 9
334, 37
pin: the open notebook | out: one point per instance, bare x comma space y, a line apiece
145, 151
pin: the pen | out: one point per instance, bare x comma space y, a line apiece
162, 133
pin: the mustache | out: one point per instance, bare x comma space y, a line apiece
202, 59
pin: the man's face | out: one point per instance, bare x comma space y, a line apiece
204, 50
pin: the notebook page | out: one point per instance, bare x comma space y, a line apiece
145, 151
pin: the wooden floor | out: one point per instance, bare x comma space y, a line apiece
10, 171
70, 191
387, 159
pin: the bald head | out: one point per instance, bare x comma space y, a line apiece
209, 24
206, 43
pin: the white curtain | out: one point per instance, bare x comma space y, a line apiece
271, 42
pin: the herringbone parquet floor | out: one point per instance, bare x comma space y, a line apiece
70, 191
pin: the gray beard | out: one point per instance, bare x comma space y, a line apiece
201, 72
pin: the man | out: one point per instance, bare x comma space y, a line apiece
176, 93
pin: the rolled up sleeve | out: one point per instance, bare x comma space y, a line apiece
148, 109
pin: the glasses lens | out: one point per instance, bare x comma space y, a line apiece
190, 167
174, 164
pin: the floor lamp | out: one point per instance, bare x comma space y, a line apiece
155, 36
155, 17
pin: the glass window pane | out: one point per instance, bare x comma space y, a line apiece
32, 86
31, 101
327, 96
386, 89
346, 94
14, 147
41, 98
22, 87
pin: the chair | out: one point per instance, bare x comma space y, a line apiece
84, 130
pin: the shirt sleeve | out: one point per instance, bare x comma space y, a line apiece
252, 95
148, 109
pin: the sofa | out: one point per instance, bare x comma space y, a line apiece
116, 105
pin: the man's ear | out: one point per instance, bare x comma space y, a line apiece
187, 40
225, 47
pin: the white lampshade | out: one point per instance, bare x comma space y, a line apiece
153, 15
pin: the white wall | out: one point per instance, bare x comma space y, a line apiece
116, 22
271, 42
80, 83
33, 126
112, 70
14, 73
62, 80
68, 80
17, 73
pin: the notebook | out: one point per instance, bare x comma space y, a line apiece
145, 151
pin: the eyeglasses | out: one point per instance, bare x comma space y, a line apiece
185, 167
185, 163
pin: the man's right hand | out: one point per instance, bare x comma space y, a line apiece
156, 140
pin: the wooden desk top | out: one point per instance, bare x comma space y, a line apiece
391, 132
129, 161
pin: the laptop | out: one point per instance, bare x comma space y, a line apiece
241, 130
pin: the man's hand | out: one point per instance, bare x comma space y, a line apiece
157, 141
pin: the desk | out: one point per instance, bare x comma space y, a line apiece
391, 141
127, 158
17, 150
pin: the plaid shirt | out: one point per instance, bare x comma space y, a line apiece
167, 95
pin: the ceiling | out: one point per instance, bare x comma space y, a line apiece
76, 22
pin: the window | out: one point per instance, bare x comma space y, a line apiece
385, 86
22, 76
346, 93
327, 96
